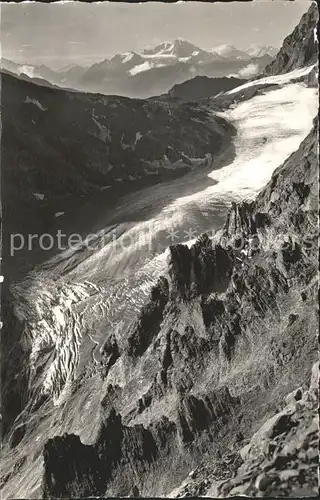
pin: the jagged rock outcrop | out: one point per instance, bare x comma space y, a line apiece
13, 389
149, 320
300, 48
110, 353
99, 147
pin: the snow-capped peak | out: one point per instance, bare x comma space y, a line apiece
67, 69
177, 48
164, 48
26, 69
261, 50
230, 51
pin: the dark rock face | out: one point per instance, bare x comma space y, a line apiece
241, 220
148, 323
110, 354
13, 389
67, 459
202, 86
300, 48
280, 460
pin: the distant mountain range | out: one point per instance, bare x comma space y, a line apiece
154, 71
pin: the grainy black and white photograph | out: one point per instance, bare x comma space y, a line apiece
159, 249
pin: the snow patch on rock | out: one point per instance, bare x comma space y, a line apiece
315, 35
29, 100
128, 57
140, 68
138, 137
104, 131
26, 69
38, 196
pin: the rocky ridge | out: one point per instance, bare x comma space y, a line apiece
226, 335
299, 49
151, 72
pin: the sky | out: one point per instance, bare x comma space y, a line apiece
59, 34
